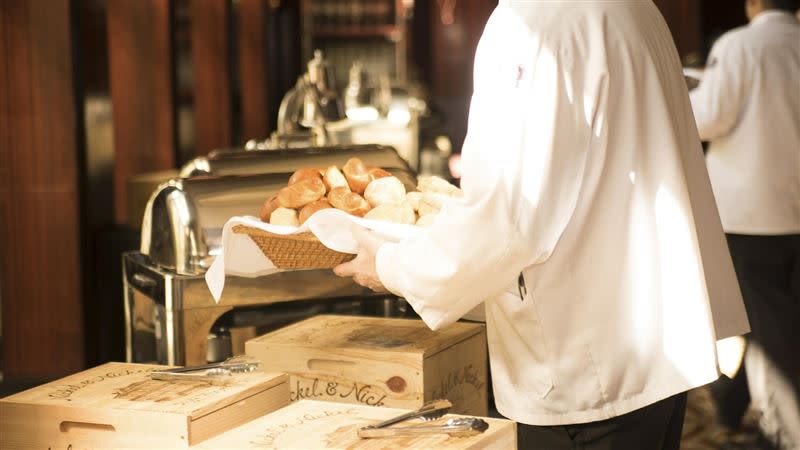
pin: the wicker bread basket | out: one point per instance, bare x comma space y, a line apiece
294, 251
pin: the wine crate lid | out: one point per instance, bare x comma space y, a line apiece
127, 386
311, 424
118, 405
358, 334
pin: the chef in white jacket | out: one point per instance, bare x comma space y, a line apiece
748, 107
587, 220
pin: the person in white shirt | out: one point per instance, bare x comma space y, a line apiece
588, 223
748, 106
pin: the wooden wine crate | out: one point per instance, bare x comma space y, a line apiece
311, 424
118, 405
373, 361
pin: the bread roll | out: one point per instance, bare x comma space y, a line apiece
397, 213
413, 199
304, 174
349, 202
431, 203
334, 178
311, 208
356, 174
270, 205
383, 191
284, 216
301, 193
438, 185
426, 220
376, 173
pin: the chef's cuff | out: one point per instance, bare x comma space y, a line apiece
385, 269
391, 278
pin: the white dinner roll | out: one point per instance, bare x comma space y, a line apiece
284, 216
426, 220
431, 203
385, 191
438, 185
413, 199
398, 213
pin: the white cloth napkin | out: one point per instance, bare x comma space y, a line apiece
240, 256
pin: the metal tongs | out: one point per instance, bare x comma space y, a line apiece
460, 427
429, 411
211, 373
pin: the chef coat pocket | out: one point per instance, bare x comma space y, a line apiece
518, 335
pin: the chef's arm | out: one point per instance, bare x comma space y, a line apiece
468, 255
522, 162
717, 100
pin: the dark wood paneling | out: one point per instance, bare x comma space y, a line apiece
719, 16
253, 75
454, 44
452, 56
211, 69
683, 18
40, 272
142, 91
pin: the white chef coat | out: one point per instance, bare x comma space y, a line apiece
748, 106
582, 170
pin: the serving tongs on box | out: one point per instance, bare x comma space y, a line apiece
457, 427
211, 373
428, 412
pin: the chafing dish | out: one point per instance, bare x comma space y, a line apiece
243, 162
169, 311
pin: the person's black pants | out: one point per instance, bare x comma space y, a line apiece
768, 270
654, 427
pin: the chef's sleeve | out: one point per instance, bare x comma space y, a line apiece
523, 160
717, 100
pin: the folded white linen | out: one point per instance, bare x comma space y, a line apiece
240, 256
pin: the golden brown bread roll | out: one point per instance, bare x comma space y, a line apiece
304, 174
376, 173
356, 174
397, 213
334, 178
311, 208
349, 202
301, 193
383, 191
270, 205
284, 216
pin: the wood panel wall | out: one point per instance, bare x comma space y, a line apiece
683, 18
211, 66
142, 91
254, 77
452, 54
40, 281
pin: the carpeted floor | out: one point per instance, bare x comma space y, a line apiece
701, 432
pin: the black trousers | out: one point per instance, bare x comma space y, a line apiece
768, 269
654, 427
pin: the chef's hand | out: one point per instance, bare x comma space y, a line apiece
362, 268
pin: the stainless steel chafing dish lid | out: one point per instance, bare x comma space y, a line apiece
183, 220
242, 162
